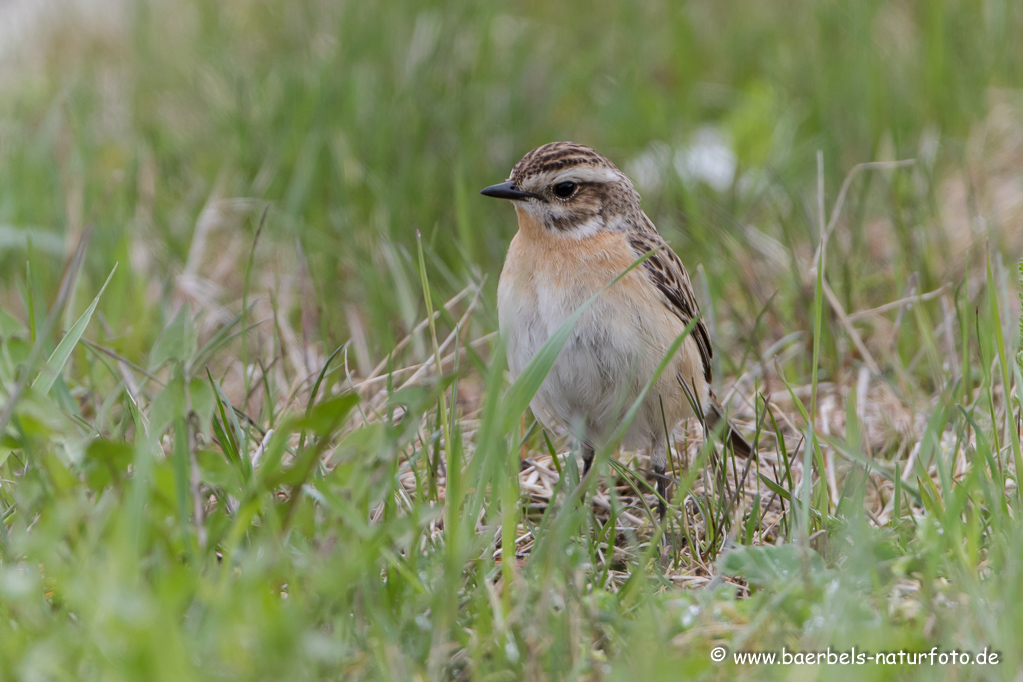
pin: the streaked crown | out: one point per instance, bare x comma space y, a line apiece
571, 190
554, 157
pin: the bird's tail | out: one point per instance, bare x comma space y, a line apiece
714, 416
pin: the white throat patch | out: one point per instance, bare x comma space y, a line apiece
542, 212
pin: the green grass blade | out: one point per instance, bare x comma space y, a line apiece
55, 364
999, 338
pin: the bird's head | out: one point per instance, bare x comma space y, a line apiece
570, 190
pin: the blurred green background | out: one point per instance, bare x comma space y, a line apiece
363, 123
171, 128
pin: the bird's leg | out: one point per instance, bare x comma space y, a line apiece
587, 457
662, 490
659, 458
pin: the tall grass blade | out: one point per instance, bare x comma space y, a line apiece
55, 364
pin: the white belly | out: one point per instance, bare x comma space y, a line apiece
609, 358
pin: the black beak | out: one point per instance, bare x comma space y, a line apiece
506, 190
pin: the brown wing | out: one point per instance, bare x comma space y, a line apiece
666, 271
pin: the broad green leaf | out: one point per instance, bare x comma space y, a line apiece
168, 405
176, 342
216, 470
106, 461
321, 419
327, 415
11, 326
770, 566
200, 394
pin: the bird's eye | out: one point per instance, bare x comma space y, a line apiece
565, 189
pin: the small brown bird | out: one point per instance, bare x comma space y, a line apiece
580, 227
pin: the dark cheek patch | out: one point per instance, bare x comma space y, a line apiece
583, 209
563, 223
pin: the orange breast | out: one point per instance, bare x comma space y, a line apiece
538, 257
616, 345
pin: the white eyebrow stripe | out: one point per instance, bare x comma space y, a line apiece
578, 174
589, 174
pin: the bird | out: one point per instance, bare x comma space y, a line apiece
580, 226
